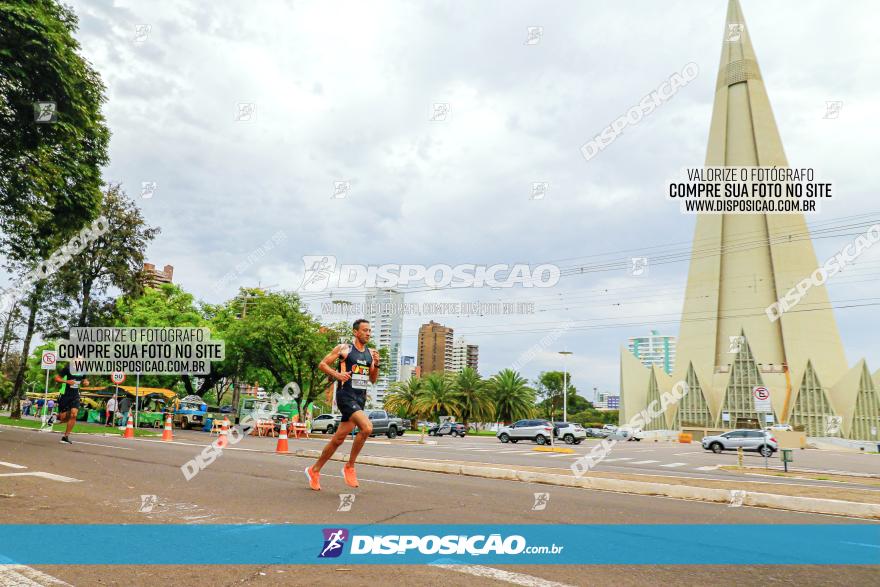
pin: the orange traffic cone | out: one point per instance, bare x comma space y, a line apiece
223, 440
281, 448
129, 428
167, 434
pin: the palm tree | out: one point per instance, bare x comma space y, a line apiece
476, 402
514, 399
438, 396
403, 396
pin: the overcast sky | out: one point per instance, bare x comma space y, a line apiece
344, 91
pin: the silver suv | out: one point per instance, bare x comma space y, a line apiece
327, 423
570, 432
536, 430
759, 440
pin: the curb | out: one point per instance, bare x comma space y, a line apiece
812, 505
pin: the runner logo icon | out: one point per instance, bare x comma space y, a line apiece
334, 542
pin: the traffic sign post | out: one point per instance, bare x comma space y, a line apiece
47, 362
118, 378
137, 386
761, 395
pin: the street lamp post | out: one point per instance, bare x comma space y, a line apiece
564, 386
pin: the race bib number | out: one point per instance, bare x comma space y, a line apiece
359, 377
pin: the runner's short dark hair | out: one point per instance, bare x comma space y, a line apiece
358, 322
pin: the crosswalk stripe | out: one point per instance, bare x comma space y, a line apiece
712, 468
618, 459
643, 462
674, 465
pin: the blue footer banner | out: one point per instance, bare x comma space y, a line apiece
586, 544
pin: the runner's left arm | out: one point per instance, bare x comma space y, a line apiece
374, 366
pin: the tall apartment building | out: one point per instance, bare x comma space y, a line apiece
656, 349
464, 355
435, 348
408, 368
153, 277
382, 308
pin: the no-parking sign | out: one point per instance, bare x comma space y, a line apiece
762, 399
49, 360
117, 377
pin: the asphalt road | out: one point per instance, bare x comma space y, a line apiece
248, 485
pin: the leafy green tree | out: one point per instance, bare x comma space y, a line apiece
439, 396
50, 173
549, 386
114, 259
474, 397
165, 306
514, 399
275, 333
403, 397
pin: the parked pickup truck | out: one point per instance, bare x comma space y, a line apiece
385, 423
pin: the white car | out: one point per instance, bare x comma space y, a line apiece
326, 423
535, 430
570, 432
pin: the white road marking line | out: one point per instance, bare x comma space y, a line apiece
105, 445
502, 575
617, 459
674, 465
643, 462
368, 480
21, 575
206, 444
484, 449
710, 468
12, 465
686, 454
556, 456
44, 475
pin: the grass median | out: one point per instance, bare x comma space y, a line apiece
79, 427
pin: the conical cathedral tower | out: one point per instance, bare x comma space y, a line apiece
740, 265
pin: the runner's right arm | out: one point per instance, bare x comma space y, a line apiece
338, 352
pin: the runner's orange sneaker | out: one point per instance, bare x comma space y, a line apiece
350, 477
314, 478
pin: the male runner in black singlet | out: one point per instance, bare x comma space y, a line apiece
68, 403
358, 365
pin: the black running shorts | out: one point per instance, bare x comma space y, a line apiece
68, 401
349, 403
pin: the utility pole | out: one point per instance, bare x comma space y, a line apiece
564, 386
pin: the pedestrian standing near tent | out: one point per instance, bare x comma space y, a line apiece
124, 407
112, 405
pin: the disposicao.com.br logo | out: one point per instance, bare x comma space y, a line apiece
323, 273
402, 544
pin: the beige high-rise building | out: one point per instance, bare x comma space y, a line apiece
154, 277
464, 355
435, 348
727, 344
